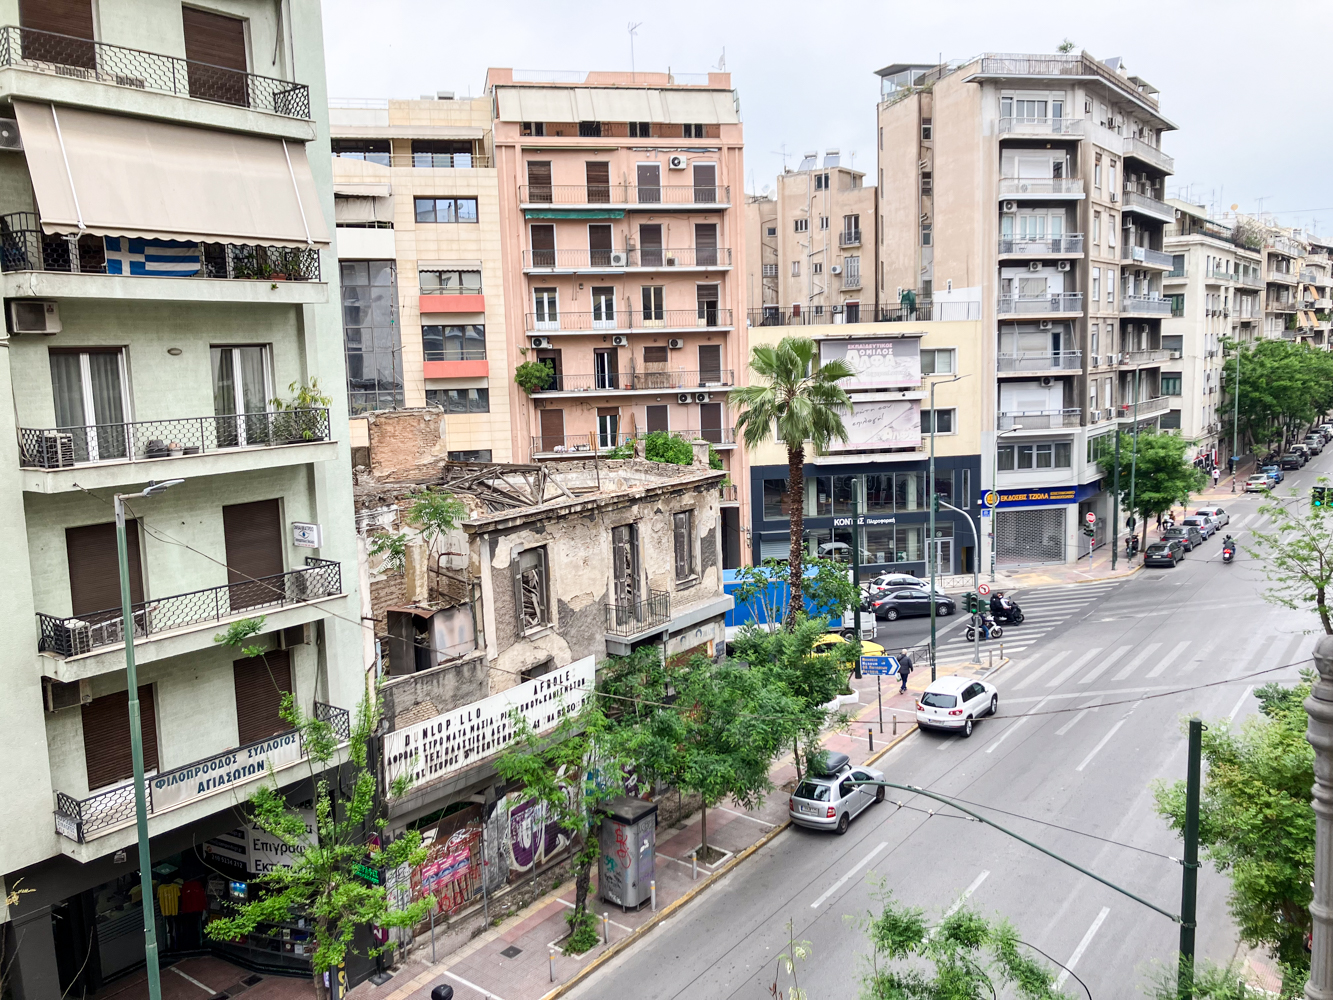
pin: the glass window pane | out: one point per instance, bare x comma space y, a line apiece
1043, 456
1004, 458
425, 209
843, 487
775, 500
467, 209
909, 490
1062, 455
1025, 456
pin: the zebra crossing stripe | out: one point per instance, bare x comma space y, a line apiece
1042, 669
1106, 664
1167, 660
1133, 664
1070, 670
1202, 655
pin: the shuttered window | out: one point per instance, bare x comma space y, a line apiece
216, 40
106, 737
543, 245
253, 533
710, 364
261, 682
599, 182
539, 180
683, 532
71, 18
94, 568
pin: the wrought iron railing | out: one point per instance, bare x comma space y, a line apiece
461, 354
1057, 302
619, 381
1070, 243
648, 257
776, 316
849, 238
24, 247
84, 819
624, 194
702, 317
428, 161
634, 617
64, 447
84, 59
588, 443
76, 635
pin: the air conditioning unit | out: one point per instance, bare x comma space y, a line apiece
295, 635
1034, 265
55, 450
540, 342
676, 162
1044, 324
34, 316
702, 397
684, 397
1095, 361
1047, 381
1062, 265
671, 262
620, 340
1011, 206
619, 258
835, 269
58, 695
1114, 196
9, 134
675, 344
837, 309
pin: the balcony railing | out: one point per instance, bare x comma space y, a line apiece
1311, 277
1060, 302
1038, 419
84, 59
622, 381
1011, 187
1146, 407
624, 194
1251, 280
1176, 274
463, 354
1063, 64
1038, 361
1286, 277
631, 618
588, 443
1133, 201
1146, 255
729, 494
1041, 126
84, 819
851, 279
618, 260
849, 238
1148, 305
1218, 276
704, 318
65, 447
436, 161
24, 247
75, 636
1141, 150
1154, 356
1070, 244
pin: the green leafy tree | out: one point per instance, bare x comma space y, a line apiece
828, 588
661, 446
1282, 387
801, 400
1162, 475
533, 376
324, 883
392, 547
1297, 556
1256, 823
435, 512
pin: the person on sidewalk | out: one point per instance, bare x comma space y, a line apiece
904, 669
1217, 474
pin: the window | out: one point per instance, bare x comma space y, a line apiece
775, 500
449, 282
640, 130
608, 421
1096, 284
652, 303
446, 209
241, 387
533, 128
965, 494
1092, 341
442, 153
460, 400
371, 336
1092, 395
802, 225
796, 269
1110, 286
464, 342
692, 131
851, 272
823, 223
816, 267
821, 182
1096, 228
532, 599
1038, 455
481, 455
590, 130
92, 404
941, 419
939, 361
770, 270
772, 230
1170, 383
370, 150
926, 183
1110, 230
925, 131
851, 226
1111, 176
682, 530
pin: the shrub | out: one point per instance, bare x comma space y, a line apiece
661, 446
532, 376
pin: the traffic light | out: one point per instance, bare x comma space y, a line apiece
1319, 496
970, 603
1088, 530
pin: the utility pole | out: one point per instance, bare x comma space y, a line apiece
1189, 878
1319, 732
931, 550
1235, 423
1134, 453
1115, 504
856, 570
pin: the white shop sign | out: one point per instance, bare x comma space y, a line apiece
230, 768
307, 536
452, 741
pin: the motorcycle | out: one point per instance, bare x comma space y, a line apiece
1012, 615
989, 630
1228, 552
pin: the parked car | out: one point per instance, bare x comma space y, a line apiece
1291, 460
1303, 451
1274, 472
1167, 553
909, 601
1204, 524
1314, 444
892, 581
1189, 537
954, 702
837, 638
828, 798
1220, 517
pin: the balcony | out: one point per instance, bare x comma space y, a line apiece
729, 494
1146, 255
422, 161
1040, 126
688, 197
1145, 407
849, 238
82, 820
1145, 305
631, 381
661, 320
721, 437
1251, 280
1147, 205
1217, 277
574, 445
1041, 187
1038, 419
1147, 357
1284, 277
1139, 150
1311, 277
1279, 306
1039, 361
1041, 305
82, 59
1059, 246
456, 363
647, 259
1176, 274
67, 637
630, 619
851, 279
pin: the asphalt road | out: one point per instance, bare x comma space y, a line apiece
1090, 718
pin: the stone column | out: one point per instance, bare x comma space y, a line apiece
1319, 707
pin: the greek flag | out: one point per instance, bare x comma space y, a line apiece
161, 258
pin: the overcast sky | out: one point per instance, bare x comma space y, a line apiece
1246, 84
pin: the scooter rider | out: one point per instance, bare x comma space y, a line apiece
999, 605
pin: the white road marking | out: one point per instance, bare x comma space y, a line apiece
1074, 721
487, 994
1063, 978
958, 903
1106, 664
1056, 658
207, 989
1232, 716
1072, 669
1105, 740
1133, 664
1201, 655
843, 881
752, 819
1167, 660
613, 923
1006, 734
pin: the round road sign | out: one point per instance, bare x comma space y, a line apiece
992, 499
983, 589
1090, 517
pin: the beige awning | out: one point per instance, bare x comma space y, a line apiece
361, 209
113, 175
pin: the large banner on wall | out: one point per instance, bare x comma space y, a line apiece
892, 423
884, 363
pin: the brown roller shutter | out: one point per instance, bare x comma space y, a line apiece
598, 174
539, 181
216, 41
553, 429
710, 364
261, 682
72, 19
106, 737
94, 569
253, 533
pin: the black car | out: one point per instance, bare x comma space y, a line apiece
1166, 553
909, 601
1190, 537
1292, 460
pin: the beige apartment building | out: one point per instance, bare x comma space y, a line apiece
816, 239
418, 234
1032, 185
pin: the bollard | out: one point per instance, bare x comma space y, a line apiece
432, 932
870, 735
990, 654
606, 928
694, 866
652, 895
551, 953
895, 723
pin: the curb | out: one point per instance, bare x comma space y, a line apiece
665, 912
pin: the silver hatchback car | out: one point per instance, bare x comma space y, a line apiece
830, 798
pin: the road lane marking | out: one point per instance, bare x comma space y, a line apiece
1232, 716
1133, 664
1072, 669
1063, 978
1042, 669
1167, 660
1006, 734
1092, 707
1105, 740
1106, 664
843, 881
472, 986
958, 903
1201, 655
752, 819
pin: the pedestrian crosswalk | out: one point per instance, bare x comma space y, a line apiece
1045, 610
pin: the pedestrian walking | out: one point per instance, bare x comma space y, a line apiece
1217, 474
904, 669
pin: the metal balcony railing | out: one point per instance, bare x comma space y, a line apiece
84, 59
84, 819
1218, 276
1036, 361
618, 260
1133, 201
587, 443
74, 636
66, 447
710, 195
1018, 187
631, 618
1146, 357
1146, 255
1041, 126
459, 354
1146, 407
702, 318
1059, 302
1070, 244
776, 316
24, 247
622, 381
1150, 154
1038, 419
1149, 305
1176, 273
437, 161
849, 238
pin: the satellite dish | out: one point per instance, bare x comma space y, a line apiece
766, 189
1234, 207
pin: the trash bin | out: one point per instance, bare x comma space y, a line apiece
629, 848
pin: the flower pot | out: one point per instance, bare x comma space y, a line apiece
848, 699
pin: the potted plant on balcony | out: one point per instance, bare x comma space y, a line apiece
533, 376
299, 418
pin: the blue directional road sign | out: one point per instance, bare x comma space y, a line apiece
881, 666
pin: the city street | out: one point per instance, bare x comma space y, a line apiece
1090, 717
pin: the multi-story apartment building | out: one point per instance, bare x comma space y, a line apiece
167, 278
1316, 313
1033, 184
823, 262
418, 228
1283, 250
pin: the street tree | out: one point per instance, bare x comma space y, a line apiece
1162, 475
792, 394
1256, 823
1282, 386
1297, 556
827, 589
326, 882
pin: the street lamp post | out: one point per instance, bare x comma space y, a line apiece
1319, 708
136, 738
994, 485
1235, 423
976, 579
930, 540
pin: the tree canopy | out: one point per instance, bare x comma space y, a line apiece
1297, 556
1162, 475
1283, 386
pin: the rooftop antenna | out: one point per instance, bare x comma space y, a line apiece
721, 66
784, 154
632, 29
851, 157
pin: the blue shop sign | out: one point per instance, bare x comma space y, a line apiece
1048, 496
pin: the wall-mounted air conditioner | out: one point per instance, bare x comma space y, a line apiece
675, 162
702, 397
835, 269
675, 343
618, 258
837, 309
34, 316
1062, 265
1044, 324
684, 397
1011, 206
59, 695
540, 342
1047, 381
9, 134
1034, 265
1114, 196
620, 340
295, 635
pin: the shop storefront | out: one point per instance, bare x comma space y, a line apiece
1043, 524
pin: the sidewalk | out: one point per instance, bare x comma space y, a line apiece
513, 960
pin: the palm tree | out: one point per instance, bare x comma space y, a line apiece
803, 401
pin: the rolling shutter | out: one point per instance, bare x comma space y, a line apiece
106, 737
539, 181
553, 429
710, 364
94, 568
216, 40
70, 18
253, 533
261, 682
